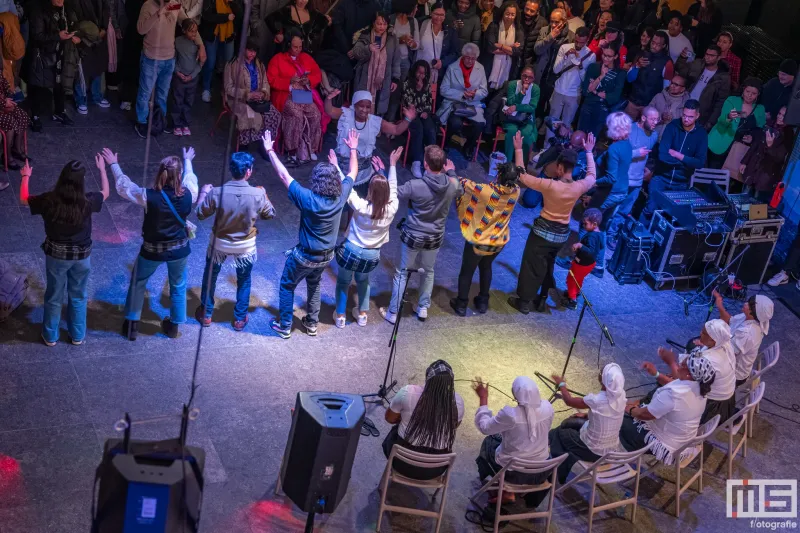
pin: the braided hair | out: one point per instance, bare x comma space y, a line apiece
435, 418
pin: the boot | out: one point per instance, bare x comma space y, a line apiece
170, 329
130, 329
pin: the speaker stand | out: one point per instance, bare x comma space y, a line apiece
310, 522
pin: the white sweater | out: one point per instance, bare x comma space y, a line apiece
365, 232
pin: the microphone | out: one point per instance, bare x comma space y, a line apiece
685, 307
415, 270
607, 334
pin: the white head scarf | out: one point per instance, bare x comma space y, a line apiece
719, 331
614, 381
764, 309
527, 394
361, 95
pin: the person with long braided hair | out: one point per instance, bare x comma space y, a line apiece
425, 419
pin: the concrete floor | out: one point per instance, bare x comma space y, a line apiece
58, 405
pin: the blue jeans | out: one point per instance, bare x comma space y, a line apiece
593, 117
293, 274
609, 207
243, 282
70, 277
212, 49
95, 92
345, 276
623, 210
153, 74
413, 259
177, 288
658, 184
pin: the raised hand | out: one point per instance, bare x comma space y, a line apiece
481, 388
377, 164
333, 94
98, 162
352, 139
449, 166
188, 153
394, 157
109, 156
332, 159
26, 169
668, 356
518, 141
588, 142
650, 368
268, 142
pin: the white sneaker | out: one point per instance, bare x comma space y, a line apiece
422, 313
104, 103
361, 320
389, 317
125, 106
416, 169
339, 321
206, 96
83, 110
313, 156
797, 285
780, 278
112, 87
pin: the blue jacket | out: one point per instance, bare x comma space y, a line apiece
616, 162
693, 145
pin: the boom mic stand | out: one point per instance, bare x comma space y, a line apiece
603, 329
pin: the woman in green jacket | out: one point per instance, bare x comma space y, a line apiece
602, 89
522, 98
741, 117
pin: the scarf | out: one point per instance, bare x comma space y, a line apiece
700, 368
486, 18
614, 382
719, 331
465, 72
526, 99
526, 392
243, 252
377, 65
764, 310
224, 31
501, 64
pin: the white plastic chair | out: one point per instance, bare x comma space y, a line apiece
765, 361
499, 483
422, 460
735, 423
707, 176
611, 468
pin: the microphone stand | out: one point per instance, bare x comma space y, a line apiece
703, 289
603, 329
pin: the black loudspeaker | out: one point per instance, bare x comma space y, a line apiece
149, 487
321, 448
793, 109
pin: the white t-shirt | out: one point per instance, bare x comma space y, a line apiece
746, 341
677, 44
365, 232
569, 84
677, 408
430, 46
601, 431
702, 81
724, 362
406, 400
368, 133
512, 424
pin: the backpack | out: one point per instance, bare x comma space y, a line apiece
158, 124
13, 289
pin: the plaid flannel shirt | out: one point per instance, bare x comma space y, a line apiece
165, 246
350, 261
428, 242
548, 230
66, 252
301, 257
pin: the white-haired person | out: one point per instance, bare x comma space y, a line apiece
515, 432
612, 183
748, 328
670, 418
589, 436
463, 89
358, 116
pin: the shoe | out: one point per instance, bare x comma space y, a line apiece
277, 328
130, 329
125, 106
206, 96
63, 119
311, 329
178, 132
564, 262
481, 306
314, 157
520, 305
170, 328
598, 271
291, 161
416, 169
200, 316
141, 130
77, 343
457, 307
47, 342
83, 110
36, 124
781, 278
112, 87
105, 104
186, 132
387, 315
4, 186
339, 321
239, 325
167, 130
569, 303
361, 320
540, 304
421, 312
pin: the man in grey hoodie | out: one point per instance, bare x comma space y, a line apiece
422, 231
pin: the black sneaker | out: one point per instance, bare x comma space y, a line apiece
598, 271
170, 328
62, 118
481, 306
569, 303
130, 329
277, 328
520, 305
168, 130
36, 124
141, 130
459, 309
311, 329
540, 304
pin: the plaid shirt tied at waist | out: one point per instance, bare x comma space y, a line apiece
165, 246
66, 252
555, 232
304, 257
427, 242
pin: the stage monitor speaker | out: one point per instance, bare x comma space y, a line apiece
793, 109
154, 487
321, 449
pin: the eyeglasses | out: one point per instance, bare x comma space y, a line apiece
677, 85
526, 77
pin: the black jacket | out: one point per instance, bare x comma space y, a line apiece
715, 93
41, 57
489, 40
471, 31
642, 14
532, 31
702, 34
209, 18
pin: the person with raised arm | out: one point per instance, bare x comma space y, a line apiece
320, 208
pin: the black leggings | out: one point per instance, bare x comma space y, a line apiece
469, 262
536, 270
567, 439
40, 98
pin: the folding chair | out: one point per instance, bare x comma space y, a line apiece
422, 460
737, 422
499, 483
707, 176
764, 362
226, 110
611, 468
498, 131
5, 145
408, 132
693, 449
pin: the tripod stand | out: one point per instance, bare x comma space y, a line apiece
713, 282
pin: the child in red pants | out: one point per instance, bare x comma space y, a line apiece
585, 256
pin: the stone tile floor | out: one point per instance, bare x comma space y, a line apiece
58, 405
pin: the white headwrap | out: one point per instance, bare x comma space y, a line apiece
719, 331
764, 309
526, 392
361, 95
614, 381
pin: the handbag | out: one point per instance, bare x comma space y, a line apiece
734, 159
460, 109
259, 107
520, 119
191, 228
302, 96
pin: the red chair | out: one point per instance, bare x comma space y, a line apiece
5, 146
497, 132
226, 110
434, 88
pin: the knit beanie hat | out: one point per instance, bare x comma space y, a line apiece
788, 66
